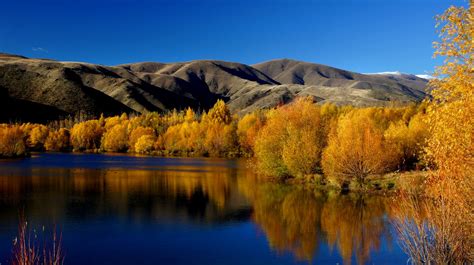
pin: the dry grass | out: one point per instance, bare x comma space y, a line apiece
29, 250
434, 230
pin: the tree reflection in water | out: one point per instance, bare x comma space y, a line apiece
294, 219
298, 220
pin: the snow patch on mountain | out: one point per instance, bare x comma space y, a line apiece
398, 73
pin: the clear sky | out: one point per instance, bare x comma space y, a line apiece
358, 35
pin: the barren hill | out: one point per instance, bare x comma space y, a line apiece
41, 89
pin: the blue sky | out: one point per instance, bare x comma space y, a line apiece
358, 35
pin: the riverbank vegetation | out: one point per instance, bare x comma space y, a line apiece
299, 139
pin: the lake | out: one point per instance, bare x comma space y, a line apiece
119, 209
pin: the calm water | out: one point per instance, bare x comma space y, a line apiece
143, 210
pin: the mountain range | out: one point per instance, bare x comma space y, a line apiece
42, 89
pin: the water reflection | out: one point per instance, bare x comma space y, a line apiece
198, 194
303, 222
300, 220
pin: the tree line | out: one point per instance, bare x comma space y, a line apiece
295, 140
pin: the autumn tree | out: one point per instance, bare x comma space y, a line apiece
247, 129
219, 130
12, 142
37, 136
86, 135
137, 133
444, 233
450, 114
291, 142
407, 140
145, 144
219, 113
116, 138
58, 141
356, 149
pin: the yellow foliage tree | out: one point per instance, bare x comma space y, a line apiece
86, 135
356, 149
219, 113
37, 136
407, 141
247, 130
144, 144
450, 114
116, 139
137, 133
12, 143
58, 141
292, 140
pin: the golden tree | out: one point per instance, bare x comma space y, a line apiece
219, 113
292, 140
137, 133
116, 139
58, 140
144, 144
247, 130
408, 140
37, 136
86, 135
12, 143
450, 114
356, 149
445, 235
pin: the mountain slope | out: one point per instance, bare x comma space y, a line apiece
41, 89
343, 87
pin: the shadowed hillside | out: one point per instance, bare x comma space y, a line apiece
41, 89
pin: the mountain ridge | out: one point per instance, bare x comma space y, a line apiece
65, 88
